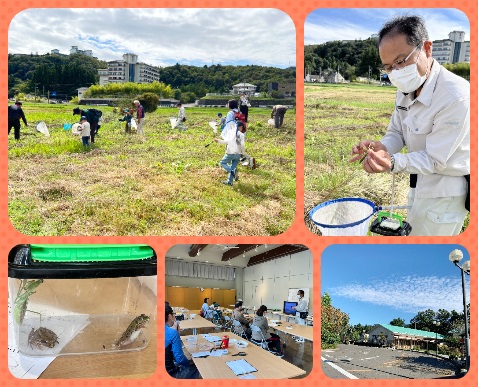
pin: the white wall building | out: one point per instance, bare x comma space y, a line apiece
246, 88
452, 50
129, 70
75, 50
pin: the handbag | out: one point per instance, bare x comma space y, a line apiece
303, 315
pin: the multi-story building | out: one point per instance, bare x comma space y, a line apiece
452, 50
103, 73
245, 88
75, 50
128, 70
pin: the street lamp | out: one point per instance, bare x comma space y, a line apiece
455, 257
437, 324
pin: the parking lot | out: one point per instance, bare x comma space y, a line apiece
360, 362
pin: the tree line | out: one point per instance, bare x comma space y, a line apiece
64, 74
358, 58
337, 329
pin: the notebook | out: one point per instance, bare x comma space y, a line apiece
240, 367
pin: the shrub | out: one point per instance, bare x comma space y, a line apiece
149, 101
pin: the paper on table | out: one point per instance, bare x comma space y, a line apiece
23, 367
211, 338
218, 352
247, 376
240, 367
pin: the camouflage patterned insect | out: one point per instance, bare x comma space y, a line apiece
132, 332
27, 288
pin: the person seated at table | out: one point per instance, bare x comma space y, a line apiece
177, 365
206, 309
273, 340
238, 314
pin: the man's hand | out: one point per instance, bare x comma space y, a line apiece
377, 161
365, 146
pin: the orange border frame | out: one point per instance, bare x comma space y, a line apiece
297, 233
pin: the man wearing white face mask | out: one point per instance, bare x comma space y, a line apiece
432, 119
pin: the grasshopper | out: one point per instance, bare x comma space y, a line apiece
27, 288
365, 154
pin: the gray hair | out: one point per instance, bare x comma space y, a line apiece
413, 27
135, 101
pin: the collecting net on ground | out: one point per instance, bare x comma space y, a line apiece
343, 217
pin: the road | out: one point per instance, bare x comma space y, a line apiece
359, 362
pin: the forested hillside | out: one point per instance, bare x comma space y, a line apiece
60, 73
64, 74
352, 58
355, 59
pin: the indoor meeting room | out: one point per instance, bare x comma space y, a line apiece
239, 311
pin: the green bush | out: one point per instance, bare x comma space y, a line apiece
149, 101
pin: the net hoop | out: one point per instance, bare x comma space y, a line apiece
321, 206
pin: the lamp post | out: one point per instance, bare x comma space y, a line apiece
437, 324
455, 257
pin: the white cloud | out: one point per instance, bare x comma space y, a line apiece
161, 37
320, 27
408, 294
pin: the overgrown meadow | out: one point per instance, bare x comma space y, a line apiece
335, 118
165, 183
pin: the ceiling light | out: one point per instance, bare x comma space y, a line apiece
243, 255
198, 253
265, 246
256, 249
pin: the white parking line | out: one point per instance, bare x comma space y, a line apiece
369, 358
342, 371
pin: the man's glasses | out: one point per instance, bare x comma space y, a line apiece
398, 63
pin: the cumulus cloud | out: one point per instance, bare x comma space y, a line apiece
408, 294
161, 37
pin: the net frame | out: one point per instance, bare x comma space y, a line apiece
320, 206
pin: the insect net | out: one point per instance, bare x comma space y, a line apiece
343, 217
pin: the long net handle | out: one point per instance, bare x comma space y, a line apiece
393, 194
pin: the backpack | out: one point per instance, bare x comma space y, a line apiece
238, 116
95, 114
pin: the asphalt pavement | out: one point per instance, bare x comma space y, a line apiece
360, 362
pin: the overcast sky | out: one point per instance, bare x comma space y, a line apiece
160, 37
324, 25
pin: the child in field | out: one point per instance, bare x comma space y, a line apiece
85, 132
127, 119
235, 147
222, 120
181, 117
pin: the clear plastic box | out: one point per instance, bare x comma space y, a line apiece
82, 299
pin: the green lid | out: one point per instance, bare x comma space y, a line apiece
90, 253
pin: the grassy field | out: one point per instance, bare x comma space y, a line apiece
336, 118
167, 183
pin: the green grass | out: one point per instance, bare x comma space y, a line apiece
337, 117
167, 183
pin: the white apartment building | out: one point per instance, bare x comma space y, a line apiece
75, 50
452, 50
128, 70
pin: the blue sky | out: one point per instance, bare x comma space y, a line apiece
160, 36
323, 25
377, 283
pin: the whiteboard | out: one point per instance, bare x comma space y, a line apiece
293, 294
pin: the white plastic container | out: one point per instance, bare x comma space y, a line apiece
82, 299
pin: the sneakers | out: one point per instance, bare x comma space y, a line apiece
236, 175
226, 182
279, 354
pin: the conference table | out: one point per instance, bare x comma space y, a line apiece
307, 332
195, 323
268, 366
